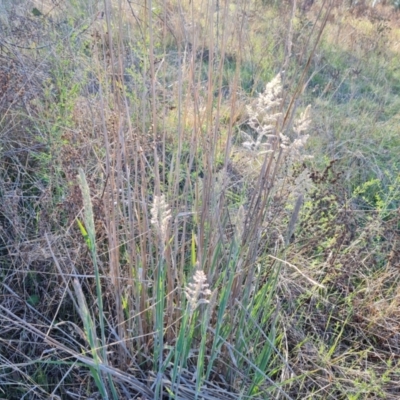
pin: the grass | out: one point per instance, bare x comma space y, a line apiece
198, 201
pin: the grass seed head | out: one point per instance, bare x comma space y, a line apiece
198, 292
160, 215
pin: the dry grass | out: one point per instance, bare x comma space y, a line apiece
177, 222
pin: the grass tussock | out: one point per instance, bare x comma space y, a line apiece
199, 201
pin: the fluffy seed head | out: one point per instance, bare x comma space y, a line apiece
198, 292
161, 214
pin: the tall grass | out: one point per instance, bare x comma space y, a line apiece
165, 230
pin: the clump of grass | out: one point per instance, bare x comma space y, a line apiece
147, 253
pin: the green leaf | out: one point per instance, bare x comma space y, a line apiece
193, 253
84, 234
36, 12
33, 300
